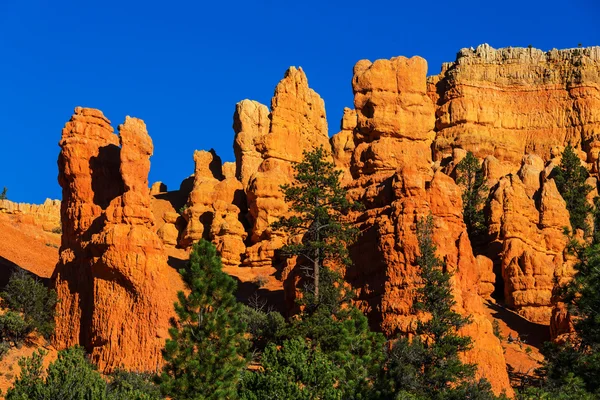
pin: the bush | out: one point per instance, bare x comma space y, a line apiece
57, 229
295, 370
264, 326
128, 385
496, 328
4, 348
13, 328
71, 376
260, 280
27, 295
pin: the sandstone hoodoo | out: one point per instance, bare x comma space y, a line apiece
398, 149
112, 271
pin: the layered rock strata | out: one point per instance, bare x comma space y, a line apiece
45, 215
513, 101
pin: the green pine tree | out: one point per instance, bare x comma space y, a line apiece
470, 176
328, 348
296, 370
429, 366
577, 362
207, 350
570, 177
3, 194
318, 202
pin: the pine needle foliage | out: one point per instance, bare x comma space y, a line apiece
318, 203
570, 177
469, 175
429, 365
207, 351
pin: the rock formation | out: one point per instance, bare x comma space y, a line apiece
46, 215
112, 270
515, 109
394, 178
214, 208
297, 123
513, 101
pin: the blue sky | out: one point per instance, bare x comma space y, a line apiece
182, 65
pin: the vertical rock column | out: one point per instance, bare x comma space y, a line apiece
111, 277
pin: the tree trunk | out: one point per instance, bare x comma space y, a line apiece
316, 274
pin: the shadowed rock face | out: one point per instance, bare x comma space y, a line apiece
111, 275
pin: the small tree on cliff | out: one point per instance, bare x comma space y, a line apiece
3, 194
328, 351
470, 176
575, 364
570, 177
207, 350
318, 202
429, 366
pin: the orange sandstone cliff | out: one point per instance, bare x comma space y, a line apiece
514, 108
112, 278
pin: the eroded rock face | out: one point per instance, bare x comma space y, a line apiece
527, 216
394, 115
513, 101
111, 275
297, 124
394, 177
214, 207
46, 215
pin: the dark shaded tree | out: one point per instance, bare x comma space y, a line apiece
469, 175
429, 365
207, 350
570, 177
27, 295
574, 366
3, 194
317, 228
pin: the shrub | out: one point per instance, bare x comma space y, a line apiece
71, 376
128, 385
496, 328
27, 295
4, 348
13, 328
57, 229
260, 280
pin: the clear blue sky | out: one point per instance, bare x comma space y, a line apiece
182, 65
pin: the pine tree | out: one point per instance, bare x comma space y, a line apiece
470, 176
577, 361
207, 350
570, 179
318, 202
296, 370
429, 366
328, 347
3, 194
